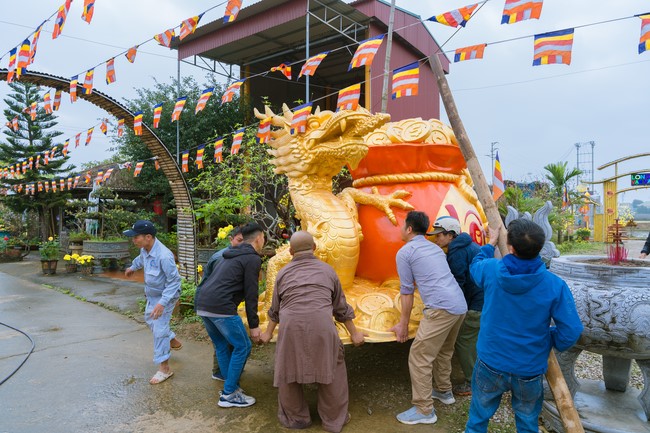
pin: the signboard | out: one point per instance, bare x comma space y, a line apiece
640, 179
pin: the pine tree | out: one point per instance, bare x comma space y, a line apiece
32, 139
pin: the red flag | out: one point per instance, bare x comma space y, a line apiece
59, 22
130, 54
89, 9
110, 71
188, 26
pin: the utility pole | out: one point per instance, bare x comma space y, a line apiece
389, 47
493, 149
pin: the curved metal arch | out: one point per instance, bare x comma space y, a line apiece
185, 221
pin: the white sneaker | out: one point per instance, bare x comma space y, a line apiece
444, 397
236, 399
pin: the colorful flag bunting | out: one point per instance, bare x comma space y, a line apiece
104, 126
137, 123
76, 181
309, 68
87, 178
157, 112
188, 26
47, 103
64, 151
156, 164
38, 160
236, 141
203, 100
73, 88
455, 18
53, 152
99, 177
110, 70
185, 167
89, 135
230, 91
519, 10
54, 186
218, 150
31, 162
264, 131
89, 9
47, 185
88, 81
62, 184
32, 110
24, 55
644, 40
107, 175
165, 38
406, 81
57, 100
299, 121
131, 53
77, 140
69, 183
553, 47
365, 52
284, 68
59, 22
469, 53
199, 157
14, 123
232, 10
37, 35
565, 197
138, 168
349, 98
46, 158
497, 179
120, 127
11, 69
178, 108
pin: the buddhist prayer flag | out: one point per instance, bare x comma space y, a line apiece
120, 127
37, 35
59, 22
89, 135
497, 179
137, 123
53, 152
366, 52
157, 112
131, 53
349, 98
178, 108
104, 126
230, 91
31, 162
99, 177
188, 26
65, 147
87, 178
199, 156
232, 9
455, 18
553, 47
406, 81
309, 68
138, 168
11, 69
14, 123
57, 100
165, 38
38, 159
77, 140
285, 69
156, 164
88, 81
76, 181
236, 141
565, 197
218, 150
519, 10
54, 186
62, 184
24, 55
644, 40
469, 53
47, 103
32, 110
47, 185
46, 158
203, 100
89, 9
73, 88
107, 175
264, 131
299, 121
185, 167
69, 183
110, 71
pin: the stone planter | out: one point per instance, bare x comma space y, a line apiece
118, 250
49, 266
204, 254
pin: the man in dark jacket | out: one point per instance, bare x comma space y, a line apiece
646, 248
461, 250
234, 279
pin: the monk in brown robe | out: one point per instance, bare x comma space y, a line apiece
307, 294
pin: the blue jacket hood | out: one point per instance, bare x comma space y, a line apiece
460, 241
518, 275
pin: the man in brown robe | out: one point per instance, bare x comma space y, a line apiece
307, 294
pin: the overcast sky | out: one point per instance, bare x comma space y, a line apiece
536, 114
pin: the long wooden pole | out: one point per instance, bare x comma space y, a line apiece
559, 388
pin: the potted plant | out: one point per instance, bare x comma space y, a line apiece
583, 234
49, 251
85, 263
76, 241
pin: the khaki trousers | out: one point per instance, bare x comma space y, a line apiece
430, 356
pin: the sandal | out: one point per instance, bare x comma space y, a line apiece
160, 377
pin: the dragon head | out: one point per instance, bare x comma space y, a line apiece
331, 140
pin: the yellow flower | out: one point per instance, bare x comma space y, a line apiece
67, 257
50, 238
199, 268
75, 256
222, 235
282, 225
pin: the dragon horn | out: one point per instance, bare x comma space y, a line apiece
288, 114
317, 112
258, 114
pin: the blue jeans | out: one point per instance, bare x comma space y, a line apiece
232, 346
489, 384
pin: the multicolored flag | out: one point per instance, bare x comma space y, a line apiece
156, 164
565, 197
230, 91
62, 184
365, 52
47, 185
349, 98
38, 160
185, 167
218, 150
165, 38
32, 110
77, 140
76, 181
178, 108
14, 123
199, 156
73, 88
299, 121
120, 127
309, 68
131, 53
406, 81
54, 186
644, 40
99, 177
53, 152
519, 10
37, 35
107, 175
138, 168
137, 123
24, 55
87, 177
31, 162
157, 112
284, 68
59, 22
89, 135
553, 47
11, 69
104, 126
69, 183
64, 151
469, 53
47, 103
497, 179
88, 81
203, 100
236, 141
188, 26
455, 18
89, 9
57, 100
264, 131
232, 10
110, 71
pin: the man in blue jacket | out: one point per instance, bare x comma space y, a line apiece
516, 336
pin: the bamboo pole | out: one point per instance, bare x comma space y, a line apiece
559, 388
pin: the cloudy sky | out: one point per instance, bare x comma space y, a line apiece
536, 114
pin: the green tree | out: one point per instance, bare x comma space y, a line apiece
559, 175
32, 139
